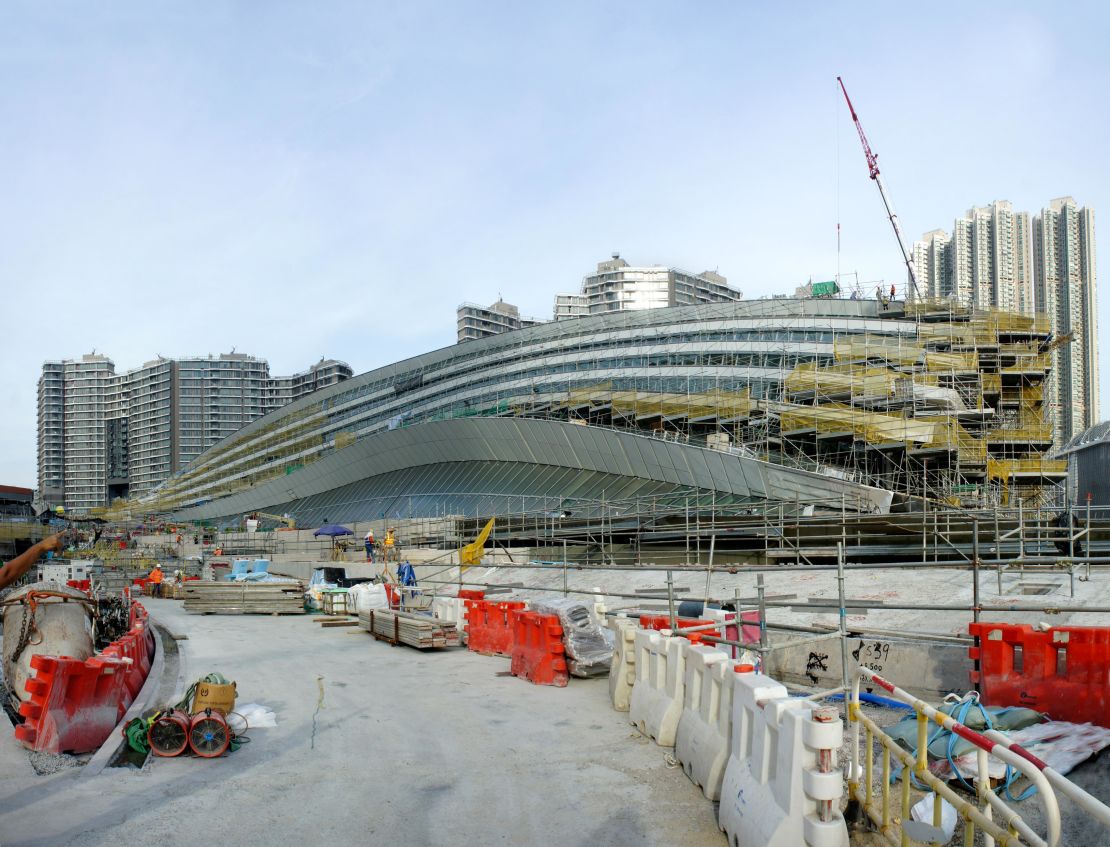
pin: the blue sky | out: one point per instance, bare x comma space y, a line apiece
297, 180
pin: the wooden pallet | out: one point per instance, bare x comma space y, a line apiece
417, 631
244, 598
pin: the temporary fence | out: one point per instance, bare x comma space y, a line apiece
704, 729
489, 626
1061, 670
537, 652
657, 697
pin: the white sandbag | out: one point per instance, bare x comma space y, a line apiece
366, 596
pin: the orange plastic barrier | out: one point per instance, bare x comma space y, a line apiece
489, 626
1061, 671
471, 594
538, 654
80, 584
664, 622
74, 705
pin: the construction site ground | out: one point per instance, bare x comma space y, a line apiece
405, 748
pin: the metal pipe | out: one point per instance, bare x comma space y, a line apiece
975, 569
1051, 563
843, 618
762, 593
813, 606
670, 598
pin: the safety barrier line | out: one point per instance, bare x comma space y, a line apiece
1017, 833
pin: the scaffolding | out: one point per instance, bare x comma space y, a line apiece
953, 412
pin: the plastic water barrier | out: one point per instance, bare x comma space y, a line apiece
537, 652
622, 670
655, 706
450, 610
1064, 670
75, 705
704, 730
895, 823
489, 626
782, 784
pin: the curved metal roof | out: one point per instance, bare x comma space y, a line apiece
556, 445
1097, 434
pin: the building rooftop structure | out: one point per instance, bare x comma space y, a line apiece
476, 321
617, 286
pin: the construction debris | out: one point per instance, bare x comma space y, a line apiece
244, 598
417, 631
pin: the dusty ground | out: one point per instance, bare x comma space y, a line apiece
407, 748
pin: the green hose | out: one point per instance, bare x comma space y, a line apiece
136, 733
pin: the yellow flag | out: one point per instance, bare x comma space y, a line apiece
471, 554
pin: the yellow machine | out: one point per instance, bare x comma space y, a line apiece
290, 523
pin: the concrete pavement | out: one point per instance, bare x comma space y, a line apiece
407, 748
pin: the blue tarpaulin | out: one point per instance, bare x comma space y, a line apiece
406, 574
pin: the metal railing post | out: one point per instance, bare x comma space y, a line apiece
670, 599
843, 622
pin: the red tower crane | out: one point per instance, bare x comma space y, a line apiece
873, 170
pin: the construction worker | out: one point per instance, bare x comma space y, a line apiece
156, 575
390, 544
18, 566
892, 293
369, 540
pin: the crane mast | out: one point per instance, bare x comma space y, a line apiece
873, 170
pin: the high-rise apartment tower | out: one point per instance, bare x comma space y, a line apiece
103, 435
1065, 274
998, 258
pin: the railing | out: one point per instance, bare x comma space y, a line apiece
1010, 829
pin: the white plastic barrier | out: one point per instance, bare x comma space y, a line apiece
450, 610
782, 784
702, 742
656, 703
622, 670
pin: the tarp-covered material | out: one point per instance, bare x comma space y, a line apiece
589, 650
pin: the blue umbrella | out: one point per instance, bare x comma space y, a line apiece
332, 529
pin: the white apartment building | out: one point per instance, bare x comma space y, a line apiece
986, 262
930, 261
618, 287
476, 321
286, 389
104, 435
1066, 282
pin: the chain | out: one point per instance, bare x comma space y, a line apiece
29, 603
25, 630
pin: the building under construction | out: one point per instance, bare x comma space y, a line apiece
812, 402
